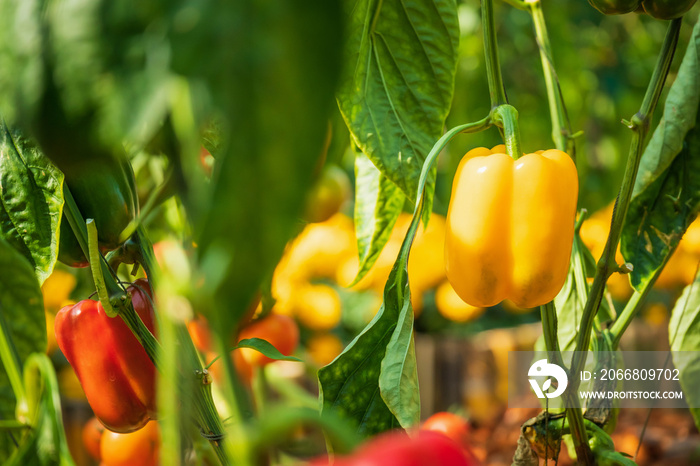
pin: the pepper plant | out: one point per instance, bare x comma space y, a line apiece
272, 91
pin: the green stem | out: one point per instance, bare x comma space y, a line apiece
574, 415
548, 315
634, 305
606, 265
157, 196
506, 117
13, 365
493, 66
95, 259
560, 126
260, 389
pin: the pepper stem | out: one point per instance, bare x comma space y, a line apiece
506, 117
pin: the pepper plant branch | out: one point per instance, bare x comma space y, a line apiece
205, 411
493, 65
606, 265
561, 128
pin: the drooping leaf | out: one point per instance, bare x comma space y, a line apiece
45, 444
31, 200
684, 335
266, 348
274, 87
397, 86
374, 382
349, 385
378, 203
21, 318
666, 195
375, 371
398, 379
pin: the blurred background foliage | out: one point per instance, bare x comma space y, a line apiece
603, 63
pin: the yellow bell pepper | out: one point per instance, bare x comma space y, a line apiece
510, 226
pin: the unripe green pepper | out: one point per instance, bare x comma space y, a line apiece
659, 9
104, 189
667, 9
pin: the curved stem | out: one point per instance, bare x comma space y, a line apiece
493, 66
506, 117
95, 257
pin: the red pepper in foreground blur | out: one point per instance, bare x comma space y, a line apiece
395, 448
113, 368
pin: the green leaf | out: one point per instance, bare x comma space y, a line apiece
378, 204
266, 348
274, 87
397, 86
31, 200
45, 444
666, 195
398, 379
684, 335
21, 318
349, 385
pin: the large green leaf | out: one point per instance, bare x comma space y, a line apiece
45, 444
22, 320
374, 382
666, 196
684, 335
274, 87
31, 200
397, 84
378, 203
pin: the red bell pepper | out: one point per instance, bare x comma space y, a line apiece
116, 374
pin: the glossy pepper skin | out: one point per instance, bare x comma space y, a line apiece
104, 189
659, 9
667, 9
510, 226
114, 370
